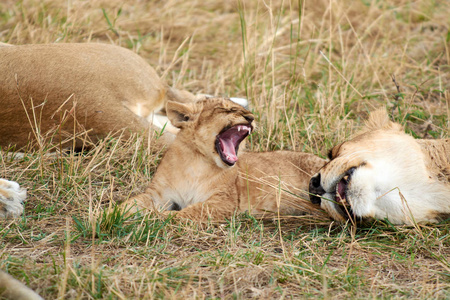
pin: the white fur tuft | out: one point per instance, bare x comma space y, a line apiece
12, 197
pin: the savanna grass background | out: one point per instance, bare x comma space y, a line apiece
312, 70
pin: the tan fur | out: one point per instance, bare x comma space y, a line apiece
395, 176
192, 175
105, 88
13, 289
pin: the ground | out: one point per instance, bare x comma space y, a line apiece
311, 70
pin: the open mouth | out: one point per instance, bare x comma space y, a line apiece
341, 191
342, 203
228, 141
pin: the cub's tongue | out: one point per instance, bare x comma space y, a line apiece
228, 149
227, 143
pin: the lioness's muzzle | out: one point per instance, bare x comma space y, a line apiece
315, 189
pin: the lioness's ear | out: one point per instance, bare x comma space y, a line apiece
379, 119
180, 114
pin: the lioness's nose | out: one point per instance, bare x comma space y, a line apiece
315, 189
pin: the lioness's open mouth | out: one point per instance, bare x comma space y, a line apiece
341, 191
227, 142
343, 206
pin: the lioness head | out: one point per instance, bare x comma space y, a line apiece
380, 174
213, 127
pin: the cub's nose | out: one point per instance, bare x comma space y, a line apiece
249, 118
315, 189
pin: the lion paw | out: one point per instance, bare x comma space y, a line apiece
11, 199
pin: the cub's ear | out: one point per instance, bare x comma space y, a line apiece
181, 114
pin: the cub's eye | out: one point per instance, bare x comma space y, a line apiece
225, 110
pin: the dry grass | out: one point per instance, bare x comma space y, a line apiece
312, 70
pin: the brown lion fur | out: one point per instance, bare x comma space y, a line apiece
11, 288
53, 92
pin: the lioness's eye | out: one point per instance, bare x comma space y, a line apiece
330, 154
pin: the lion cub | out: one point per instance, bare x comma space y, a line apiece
202, 176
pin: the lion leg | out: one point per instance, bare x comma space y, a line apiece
140, 203
11, 199
215, 209
11, 288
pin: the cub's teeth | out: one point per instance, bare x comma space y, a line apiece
241, 127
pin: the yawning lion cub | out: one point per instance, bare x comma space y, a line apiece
202, 176
385, 173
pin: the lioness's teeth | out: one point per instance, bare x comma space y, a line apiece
239, 128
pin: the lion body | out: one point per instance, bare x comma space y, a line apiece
192, 178
77, 90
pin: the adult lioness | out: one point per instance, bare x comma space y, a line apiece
57, 91
385, 173
201, 176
